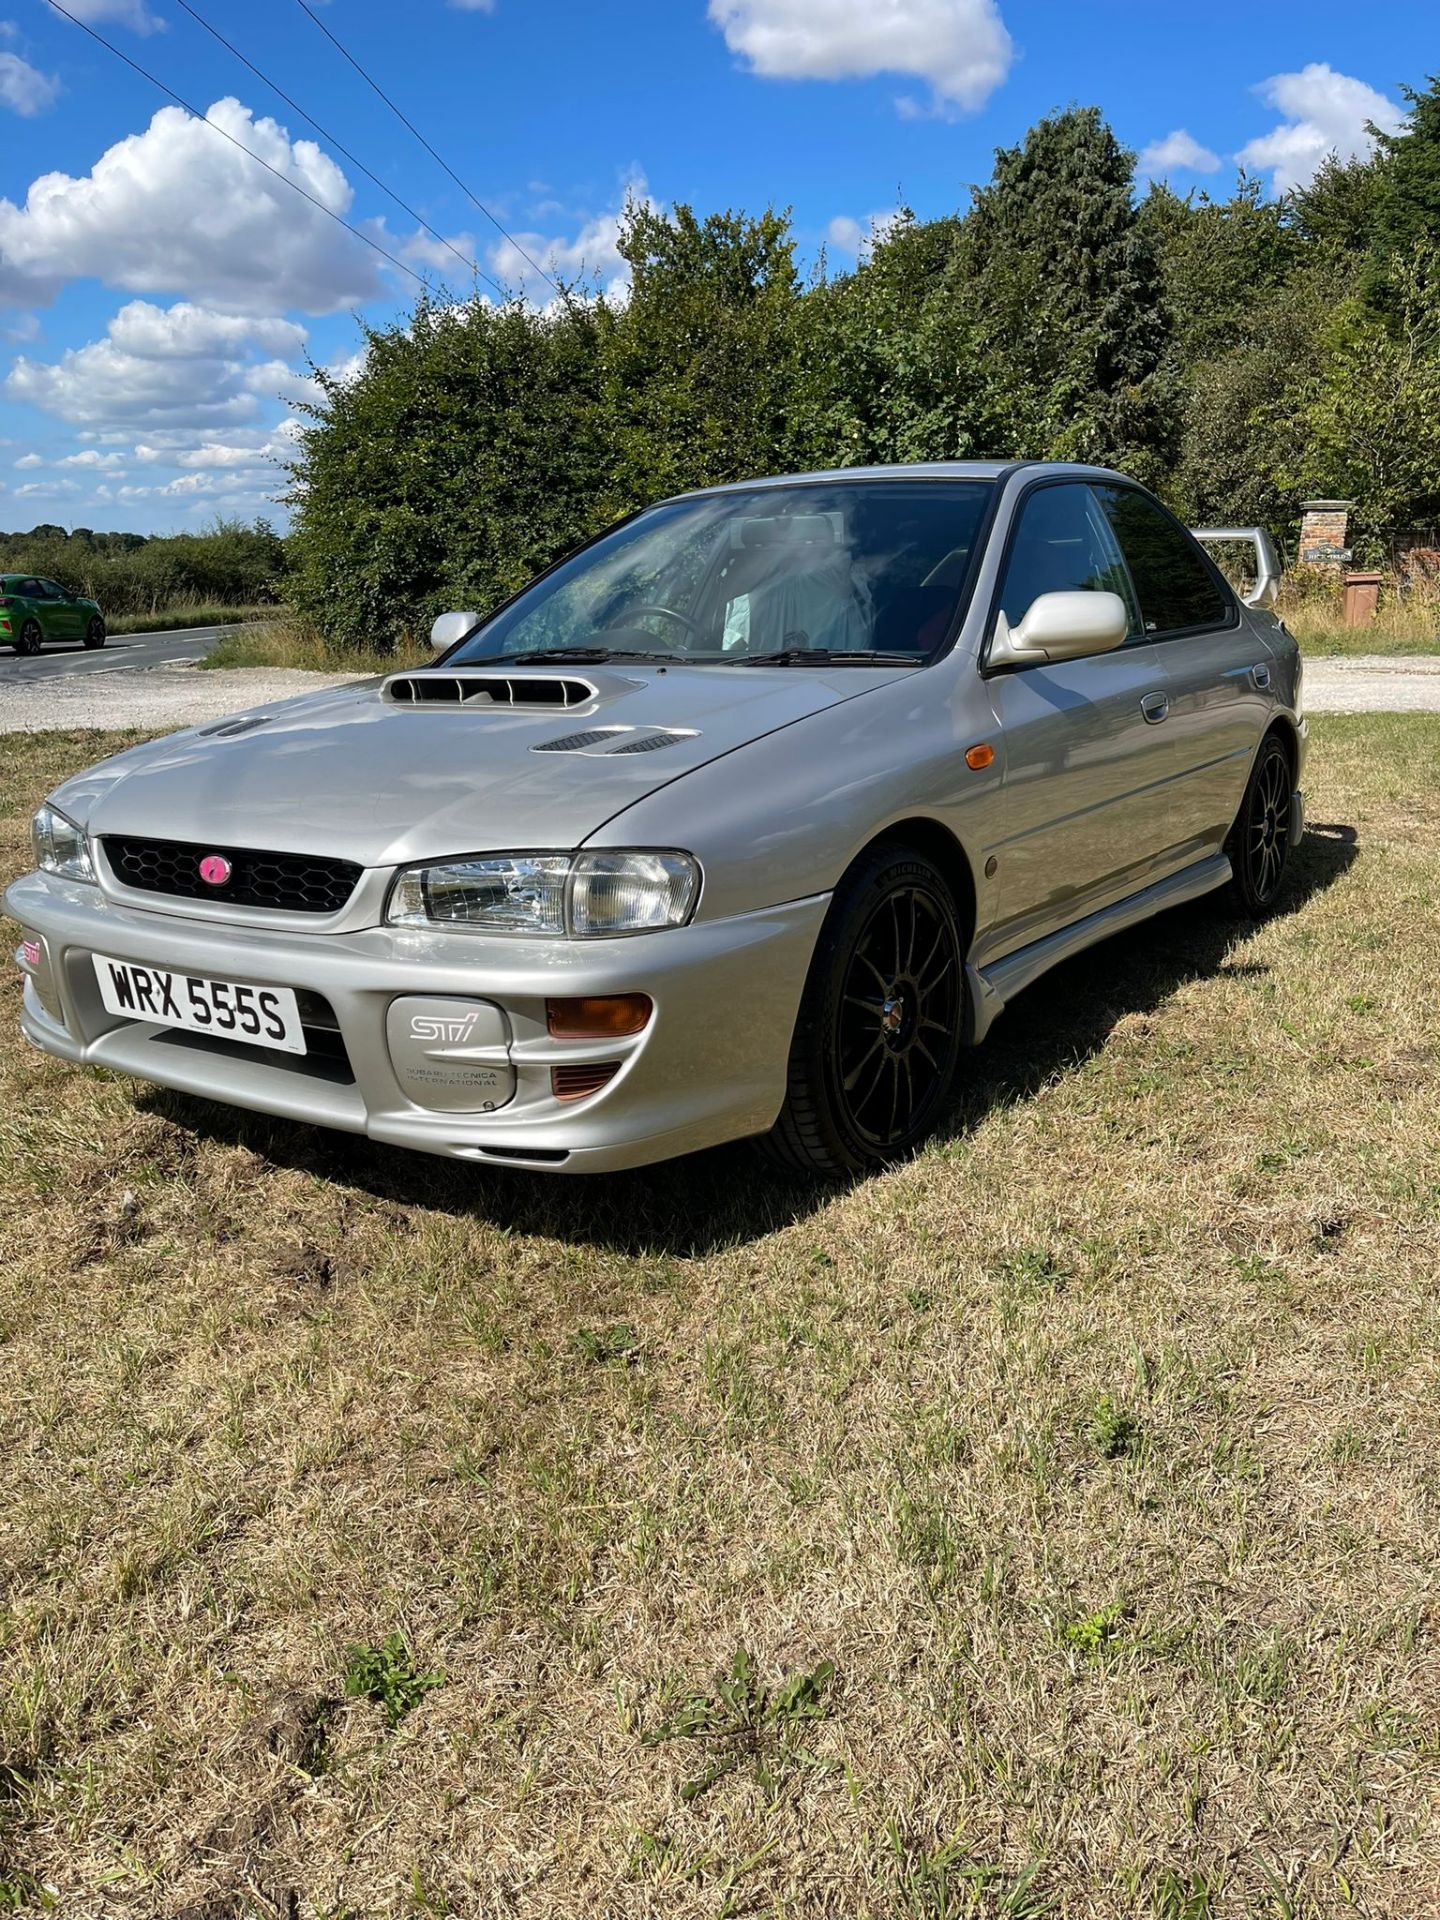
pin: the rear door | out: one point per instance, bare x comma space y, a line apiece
1083, 812
1216, 666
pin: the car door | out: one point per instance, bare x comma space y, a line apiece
63, 614
1216, 665
1081, 810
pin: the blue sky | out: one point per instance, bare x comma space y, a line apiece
161, 296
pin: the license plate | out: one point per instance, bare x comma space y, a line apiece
260, 1016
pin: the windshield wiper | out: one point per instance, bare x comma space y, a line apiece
833, 657
577, 656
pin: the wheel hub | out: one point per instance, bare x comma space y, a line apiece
898, 1015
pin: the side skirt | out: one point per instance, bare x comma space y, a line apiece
992, 988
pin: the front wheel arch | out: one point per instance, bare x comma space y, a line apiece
935, 840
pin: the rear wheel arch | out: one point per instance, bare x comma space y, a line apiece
1284, 730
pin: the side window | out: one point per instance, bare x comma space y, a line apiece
1062, 544
51, 591
1175, 585
30, 590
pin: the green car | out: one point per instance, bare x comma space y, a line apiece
33, 611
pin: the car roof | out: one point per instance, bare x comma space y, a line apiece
916, 470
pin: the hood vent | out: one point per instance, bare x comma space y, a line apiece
652, 742
608, 740
485, 690
593, 738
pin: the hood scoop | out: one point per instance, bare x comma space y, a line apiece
613, 740
485, 690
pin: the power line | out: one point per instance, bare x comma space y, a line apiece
195, 114
377, 88
469, 265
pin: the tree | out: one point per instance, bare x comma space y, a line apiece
1338, 207
1059, 300
701, 367
1373, 412
1218, 259
1407, 199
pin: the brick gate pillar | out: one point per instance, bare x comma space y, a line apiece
1322, 533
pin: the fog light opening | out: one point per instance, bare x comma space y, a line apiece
574, 1083
611, 1016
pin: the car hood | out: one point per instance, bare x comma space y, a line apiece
358, 773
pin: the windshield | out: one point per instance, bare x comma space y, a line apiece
850, 568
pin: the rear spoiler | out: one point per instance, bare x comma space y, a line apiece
1266, 589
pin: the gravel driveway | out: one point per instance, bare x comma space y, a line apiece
167, 697
155, 698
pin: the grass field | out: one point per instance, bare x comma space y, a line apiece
190, 614
1044, 1528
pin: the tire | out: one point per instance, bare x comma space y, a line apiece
877, 1038
1259, 841
30, 638
95, 633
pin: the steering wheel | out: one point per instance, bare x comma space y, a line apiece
666, 613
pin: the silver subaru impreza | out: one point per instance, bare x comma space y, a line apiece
745, 819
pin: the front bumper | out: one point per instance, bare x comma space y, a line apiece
710, 1065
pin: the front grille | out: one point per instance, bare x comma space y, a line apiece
291, 882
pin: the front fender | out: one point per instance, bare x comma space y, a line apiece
783, 817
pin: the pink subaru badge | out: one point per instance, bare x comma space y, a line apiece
215, 869
30, 952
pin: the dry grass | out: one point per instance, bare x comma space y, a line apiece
1311, 606
1096, 1449
288, 641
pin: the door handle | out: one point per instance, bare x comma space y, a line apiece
1155, 706
1260, 675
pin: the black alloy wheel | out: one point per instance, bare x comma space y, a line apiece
1259, 842
95, 632
878, 1036
29, 641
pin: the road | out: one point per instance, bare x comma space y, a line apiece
122, 654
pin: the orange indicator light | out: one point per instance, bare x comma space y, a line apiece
598, 1016
980, 756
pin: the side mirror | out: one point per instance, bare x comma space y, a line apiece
1061, 626
451, 628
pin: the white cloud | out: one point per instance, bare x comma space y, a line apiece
1325, 112
23, 88
183, 368
94, 459
1177, 152
854, 237
474, 6
960, 47
591, 258
125, 13
185, 331
29, 460
45, 488
179, 209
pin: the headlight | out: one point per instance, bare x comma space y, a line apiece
60, 846
579, 896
